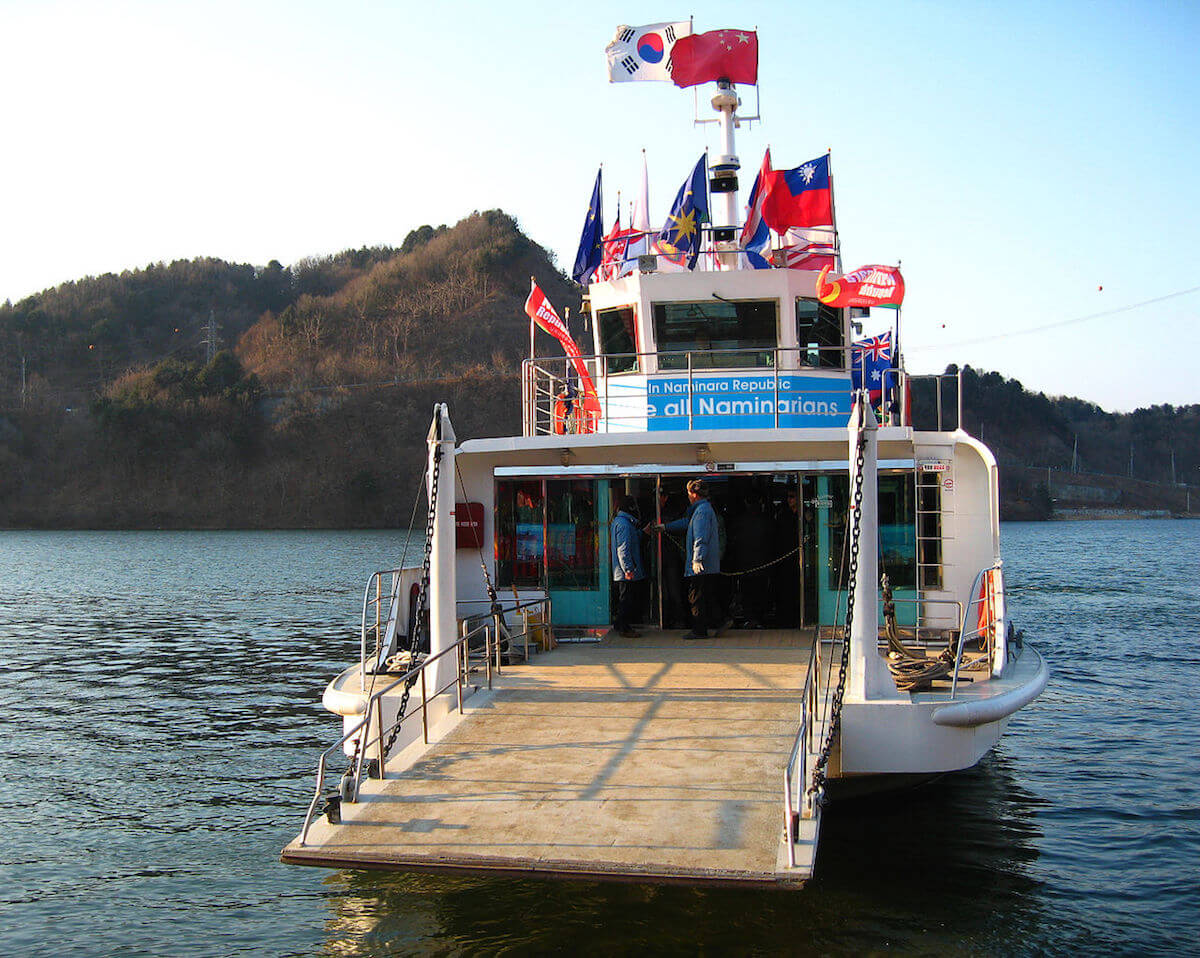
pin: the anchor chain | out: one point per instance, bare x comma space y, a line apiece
422, 618
817, 787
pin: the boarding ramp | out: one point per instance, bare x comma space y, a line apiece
649, 759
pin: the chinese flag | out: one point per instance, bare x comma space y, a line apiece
717, 55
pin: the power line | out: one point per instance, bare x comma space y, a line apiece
1060, 323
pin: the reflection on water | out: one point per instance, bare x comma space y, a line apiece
163, 691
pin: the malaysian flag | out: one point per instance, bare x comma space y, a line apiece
811, 249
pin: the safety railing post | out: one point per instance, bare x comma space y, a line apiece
776, 388
460, 674
424, 709
689, 396
496, 623
959, 424
382, 750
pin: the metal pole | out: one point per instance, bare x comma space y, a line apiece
776, 388
689, 389
959, 424
462, 673
424, 709
382, 750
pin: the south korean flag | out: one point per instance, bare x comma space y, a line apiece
644, 53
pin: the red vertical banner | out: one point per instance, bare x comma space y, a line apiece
538, 309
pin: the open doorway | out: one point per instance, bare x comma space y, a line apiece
767, 526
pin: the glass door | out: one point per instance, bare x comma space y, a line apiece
897, 545
577, 574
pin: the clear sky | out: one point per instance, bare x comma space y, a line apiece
1015, 157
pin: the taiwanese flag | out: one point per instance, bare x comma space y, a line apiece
717, 55
801, 197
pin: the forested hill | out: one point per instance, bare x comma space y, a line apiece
313, 407
209, 394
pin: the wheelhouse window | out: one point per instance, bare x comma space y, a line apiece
718, 334
618, 341
819, 333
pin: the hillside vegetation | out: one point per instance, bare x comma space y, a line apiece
312, 412
208, 394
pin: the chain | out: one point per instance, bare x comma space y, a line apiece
734, 575
422, 617
817, 787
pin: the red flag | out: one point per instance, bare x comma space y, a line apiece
717, 55
868, 286
615, 244
801, 197
538, 309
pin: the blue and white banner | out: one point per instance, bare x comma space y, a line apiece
747, 401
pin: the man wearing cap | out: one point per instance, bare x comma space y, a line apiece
701, 556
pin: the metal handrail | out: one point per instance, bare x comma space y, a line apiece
539, 416
922, 600
547, 606
375, 584
373, 704
938, 379
809, 697
963, 634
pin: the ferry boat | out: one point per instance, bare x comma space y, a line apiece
495, 721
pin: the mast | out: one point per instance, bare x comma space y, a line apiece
723, 178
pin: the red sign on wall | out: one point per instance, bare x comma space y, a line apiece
468, 525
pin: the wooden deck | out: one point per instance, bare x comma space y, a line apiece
648, 759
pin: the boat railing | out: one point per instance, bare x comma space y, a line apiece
536, 616
947, 390
926, 635
986, 624
383, 609
359, 733
774, 382
798, 803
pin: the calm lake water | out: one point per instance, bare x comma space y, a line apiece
162, 720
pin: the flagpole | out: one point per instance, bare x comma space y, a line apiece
837, 246
532, 286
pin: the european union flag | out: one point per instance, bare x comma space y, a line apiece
680, 236
591, 240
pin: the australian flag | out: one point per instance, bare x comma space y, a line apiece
679, 239
870, 360
591, 245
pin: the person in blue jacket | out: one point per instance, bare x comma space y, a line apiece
701, 558
628, 573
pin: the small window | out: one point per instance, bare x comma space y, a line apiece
618, 339
739, 334
819, 333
